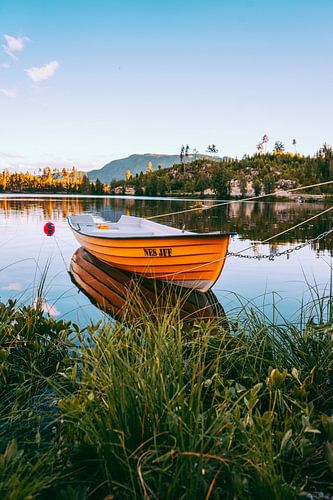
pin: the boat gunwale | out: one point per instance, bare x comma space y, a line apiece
158, 236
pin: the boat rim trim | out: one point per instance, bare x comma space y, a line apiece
195, 235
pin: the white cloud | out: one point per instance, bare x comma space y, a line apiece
46, 307
4, 65
44, 72
23, 163
13, 45
9, 155
12, 287
49, 309
8, 92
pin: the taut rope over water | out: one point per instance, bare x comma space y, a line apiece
251, 198
235, 254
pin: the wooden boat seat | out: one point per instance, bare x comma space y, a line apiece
83, 220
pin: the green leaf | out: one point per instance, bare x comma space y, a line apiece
285, 440
329, 454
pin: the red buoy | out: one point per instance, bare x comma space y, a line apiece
49, 228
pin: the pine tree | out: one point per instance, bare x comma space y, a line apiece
85, 185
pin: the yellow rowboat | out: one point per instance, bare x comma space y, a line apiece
125, 296
152, 250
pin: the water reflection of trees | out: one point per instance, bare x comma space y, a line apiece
254, 221
258, 221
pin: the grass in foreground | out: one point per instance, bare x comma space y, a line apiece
157, 409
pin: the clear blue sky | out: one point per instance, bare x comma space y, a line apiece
83, 82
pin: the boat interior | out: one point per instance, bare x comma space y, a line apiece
127, 226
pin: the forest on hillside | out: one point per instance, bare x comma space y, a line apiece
260, 173
251, 175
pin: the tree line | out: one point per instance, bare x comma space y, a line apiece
259, 173
50, 181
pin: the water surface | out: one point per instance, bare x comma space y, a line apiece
25, 251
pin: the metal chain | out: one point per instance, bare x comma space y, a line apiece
284, 252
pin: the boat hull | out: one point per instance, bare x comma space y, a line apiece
191, 261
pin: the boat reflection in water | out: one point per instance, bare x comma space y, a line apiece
125, 296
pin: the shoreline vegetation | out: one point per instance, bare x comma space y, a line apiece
255, 175
152, 407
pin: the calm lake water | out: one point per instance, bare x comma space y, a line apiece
25, 250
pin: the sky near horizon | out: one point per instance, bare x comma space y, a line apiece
83, 82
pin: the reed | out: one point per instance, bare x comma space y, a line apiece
33, 350
152, 407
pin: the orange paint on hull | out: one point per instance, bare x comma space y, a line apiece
193, 261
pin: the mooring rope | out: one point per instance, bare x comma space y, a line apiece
251, 198
296, 225
248, 248
62, 256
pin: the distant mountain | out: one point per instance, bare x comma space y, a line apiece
116, 169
